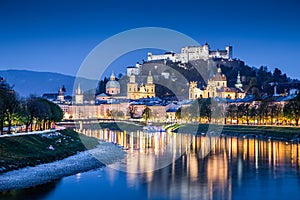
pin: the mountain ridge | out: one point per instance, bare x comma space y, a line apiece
27, 82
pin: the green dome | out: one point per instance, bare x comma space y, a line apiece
112, 84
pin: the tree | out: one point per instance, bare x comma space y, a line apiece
26, 117
6, 92
262, 111
24, 111
11, 106
146, 113
193, 110
101, 86
2, 109
116, 113
253, 113
43, 111
56, 113
131, 110
274, 112
240, 112
292, 109
247, 112
231, 112
34, 107
178, 113
109, 113
205, 108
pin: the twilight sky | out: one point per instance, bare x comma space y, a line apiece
56, 36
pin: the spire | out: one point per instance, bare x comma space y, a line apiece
238, 78
62, 90
78, 91
238, 84
219, 69
112, 76
150, 78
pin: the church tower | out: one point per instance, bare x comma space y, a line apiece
239, 84
79, 95
150, 86
193, 85
61, 94
132, 87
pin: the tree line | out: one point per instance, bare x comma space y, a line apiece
33, 112
265, 112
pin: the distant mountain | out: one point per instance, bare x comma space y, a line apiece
31, 82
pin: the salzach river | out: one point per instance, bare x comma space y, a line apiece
171, 166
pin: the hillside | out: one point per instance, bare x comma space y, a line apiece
173, 78
31, 82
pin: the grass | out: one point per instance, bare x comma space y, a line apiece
262, 131
30, 150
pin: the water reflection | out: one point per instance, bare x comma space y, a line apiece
236, 168
37, 192
231, 163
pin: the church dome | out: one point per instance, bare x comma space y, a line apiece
219, 76
112, 84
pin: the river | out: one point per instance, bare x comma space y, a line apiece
175, 166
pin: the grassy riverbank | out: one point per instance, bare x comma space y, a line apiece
288, 133
30, 150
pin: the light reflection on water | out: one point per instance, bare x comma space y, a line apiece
236, 168
212, 177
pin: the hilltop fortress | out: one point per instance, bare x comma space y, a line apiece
190, 53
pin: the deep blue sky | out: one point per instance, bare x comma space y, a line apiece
57, 35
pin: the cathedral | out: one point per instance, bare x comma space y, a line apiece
112, 86
217, 87
134, 91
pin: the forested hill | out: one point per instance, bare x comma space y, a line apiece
257, 81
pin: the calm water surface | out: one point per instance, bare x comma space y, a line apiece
170, 167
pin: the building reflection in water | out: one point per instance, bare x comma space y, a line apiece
172, 164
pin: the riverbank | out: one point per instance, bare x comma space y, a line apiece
30, 150
106, 153
283, 133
